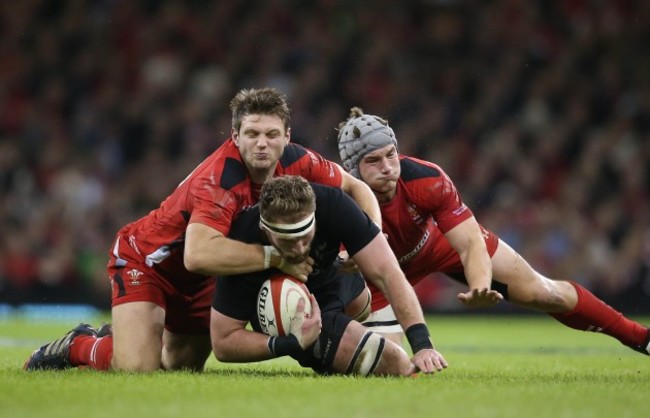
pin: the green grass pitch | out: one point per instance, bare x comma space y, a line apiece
500, 366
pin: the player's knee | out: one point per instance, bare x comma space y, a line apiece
395, 337
395, 362
221, 353
367, 355
183, 360
191, 364
134, 357
138, 364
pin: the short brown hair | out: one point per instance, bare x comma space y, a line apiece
288, 197
264, 101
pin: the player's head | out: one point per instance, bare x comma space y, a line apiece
260, 128
264, 101
361, 134
287, 215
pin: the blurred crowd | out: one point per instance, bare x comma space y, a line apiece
538, 110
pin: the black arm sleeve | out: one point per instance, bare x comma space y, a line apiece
235, 296
344, 219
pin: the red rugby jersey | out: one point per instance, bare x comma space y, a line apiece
426, 206
213, 194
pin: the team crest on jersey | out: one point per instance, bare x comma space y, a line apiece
134, 274
415, 215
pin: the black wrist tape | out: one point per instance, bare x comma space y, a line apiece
418, 336
284, 346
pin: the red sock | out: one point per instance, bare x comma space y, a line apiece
592, 314
88, 350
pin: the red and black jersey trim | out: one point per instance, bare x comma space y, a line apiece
120, 285
412, 170
291, 154
233, 174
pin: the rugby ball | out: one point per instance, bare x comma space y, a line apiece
277, 302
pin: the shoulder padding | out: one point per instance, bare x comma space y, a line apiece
413, 170
291, 154
233, 173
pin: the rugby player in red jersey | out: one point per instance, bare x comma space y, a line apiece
430, 230
161, 266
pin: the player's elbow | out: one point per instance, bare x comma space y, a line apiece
221, 352
201, 263
199, 253
194, 263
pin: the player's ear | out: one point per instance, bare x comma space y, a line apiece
288, 135
235, 136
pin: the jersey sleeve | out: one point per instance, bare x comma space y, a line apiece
354, 229
439, 196
309, 164
236, 297
212, 206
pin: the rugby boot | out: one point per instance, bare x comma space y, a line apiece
104, 330
56, 355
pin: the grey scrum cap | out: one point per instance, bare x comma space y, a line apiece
361, 135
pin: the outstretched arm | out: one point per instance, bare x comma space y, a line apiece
467, 239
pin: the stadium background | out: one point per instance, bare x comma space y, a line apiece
539, 110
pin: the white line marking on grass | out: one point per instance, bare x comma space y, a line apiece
19, 342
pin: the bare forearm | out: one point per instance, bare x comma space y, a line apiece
229, 257
242, 346
467, 239
402, 298
478, 267
379, 265
208, 252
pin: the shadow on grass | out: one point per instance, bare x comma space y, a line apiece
256, 373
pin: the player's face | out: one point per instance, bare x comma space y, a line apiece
261, 141
296, 249
380, 170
